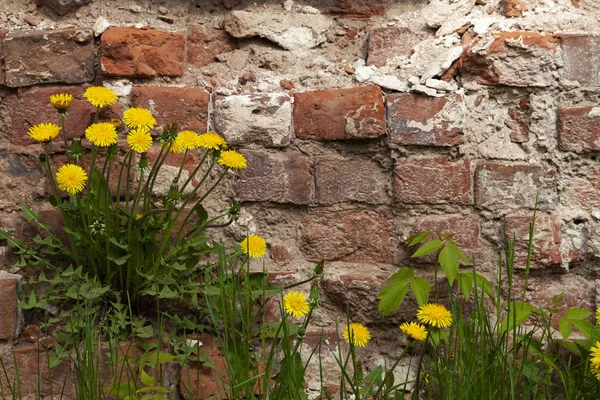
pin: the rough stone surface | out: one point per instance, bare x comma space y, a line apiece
502, 187
512, 59
140, 53
62, 7
255, 118
188, 106
204, 44
349, 235
276, 177
356, 113
433, 180
66, 56
513, 8
519, 118
414, 119
11, 319
579, 128
3, 33
583, 191
438, 12
581, 56
386, 43
340, 180
354, 8
465, 227
290, 31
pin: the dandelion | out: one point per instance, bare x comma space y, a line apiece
296, 304
176, 147
188, 140
99, 96
71, 178
44, 132
232, 159
139, 216
254, 246
101, 134
212, 140
61, 101
357, 333
139, 140
595, 359
598, 315
137, 117
435, 315
414, 330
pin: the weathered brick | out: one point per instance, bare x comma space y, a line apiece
354, 8
584, 191
188, 106
277, 177
33, 107
62, 7
433, 180
465, 228
66, 56
594, 239
348, 235
512, 58
11, 319
414, 119
579, 128
355, 113
205, 43
3, 33
387, 43
502, 187
263, 118
519, 118
340, 179
581, 58
546, 249
200, 382
141, 53
513, 8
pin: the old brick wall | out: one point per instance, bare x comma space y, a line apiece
362, 121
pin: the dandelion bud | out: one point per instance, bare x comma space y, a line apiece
143, 164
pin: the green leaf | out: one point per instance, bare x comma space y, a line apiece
418, 238
392, 297
147, 379
565, 328
420, 288
458, 251
449, 262
584, 327
159, 357
428, 248
402, 275
465, 282
519, 312
577, 313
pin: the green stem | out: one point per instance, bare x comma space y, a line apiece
64, 132
189, 179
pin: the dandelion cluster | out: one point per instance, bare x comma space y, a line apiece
296, 304
254, 246
356, 334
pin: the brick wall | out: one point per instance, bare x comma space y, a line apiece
362, 122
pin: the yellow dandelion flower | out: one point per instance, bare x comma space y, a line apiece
357, 333
61, 101
232, 159
176, 147
435, 315
139, 140
598, 315
296, 304
414, 330
44, 132
99, 96
71, 178
188, 140
139, 216
137, 117
254, 246
212, 140
101, 134
595, 359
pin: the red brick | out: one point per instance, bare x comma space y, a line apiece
433, 180
546, 250
594, 239
280, 253
33, 107
513, 8
414, 119
584, 191
579, 128
66, 56
339, 180
277, 177
465, 228
581, 57
504, 186
11, 319
387, 43
512, 59
355, 113
519, 118
188, 106
141, 53
349, 235
205, 43
3, 33
200, 382
354, 8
